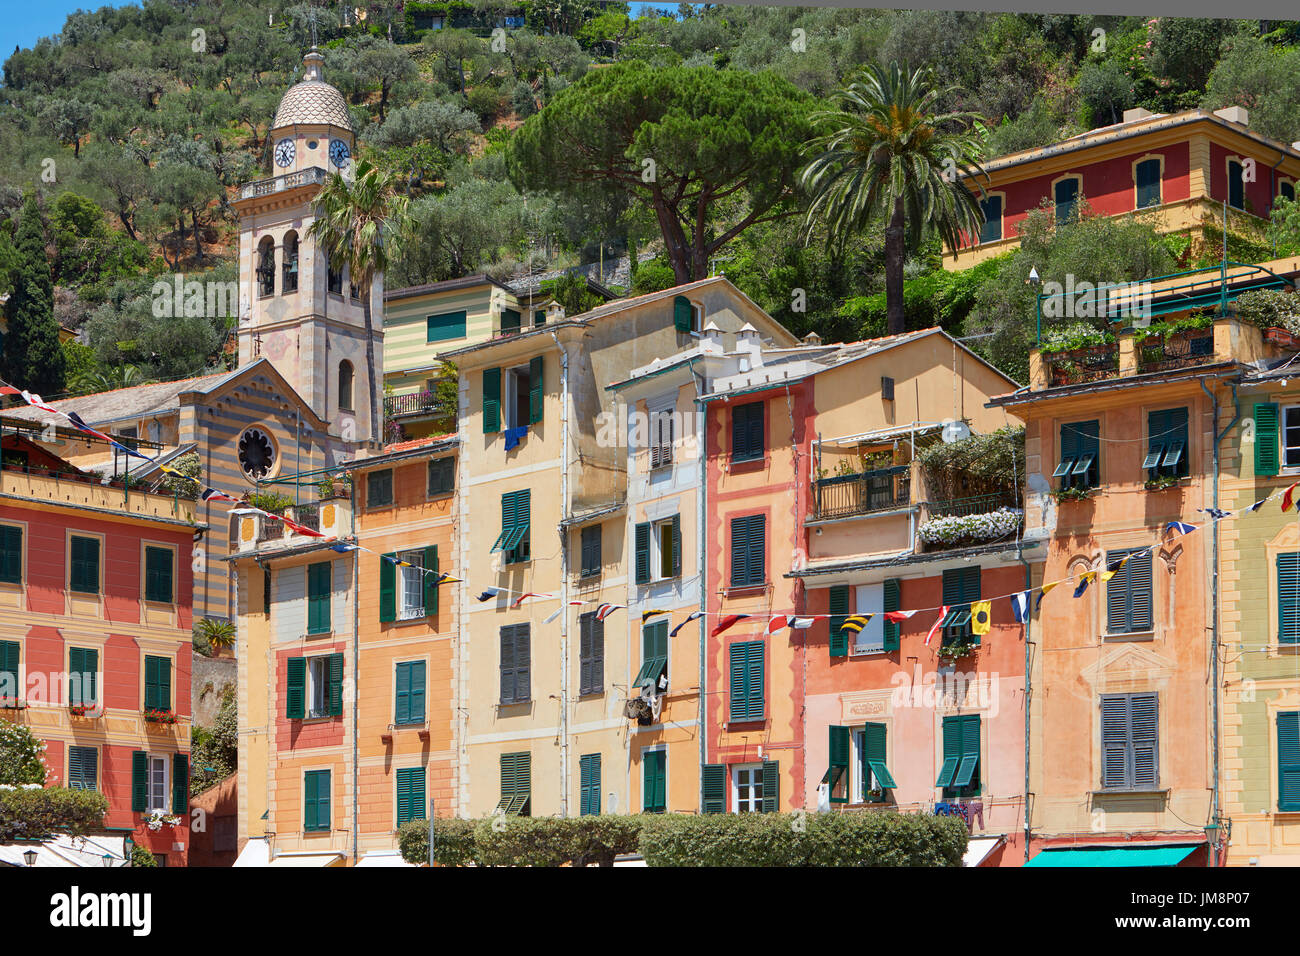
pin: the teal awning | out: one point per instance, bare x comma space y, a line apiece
1116, 856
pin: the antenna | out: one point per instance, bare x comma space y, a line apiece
954, 431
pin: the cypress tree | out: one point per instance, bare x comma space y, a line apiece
32, 357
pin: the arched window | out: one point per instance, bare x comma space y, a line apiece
345, 386
266, 266
290, 281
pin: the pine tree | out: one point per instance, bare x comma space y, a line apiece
31, 356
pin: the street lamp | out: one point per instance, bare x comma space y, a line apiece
30, 857
128, 846
107, 859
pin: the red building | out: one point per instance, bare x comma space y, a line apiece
95, 646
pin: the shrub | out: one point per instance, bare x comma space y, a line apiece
485, 101
453, 842
22, 753
653, 275
823, 839
142, 856
32, 812
1270, 308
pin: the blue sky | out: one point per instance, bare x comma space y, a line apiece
23, 22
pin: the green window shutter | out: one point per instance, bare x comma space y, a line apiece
743, 706
84, 565
1288, 760
402, 694
83, 671
83, 768
157, 683
677, 544
681, 313
11, 554
967, 770
589, 784
417, 685
748, 432
295, 688
180, 783
1144, 731
9, 685
643, 553
839, 746
410, 794
524, 779
771, 786
536, 369
893, 591
873, 757
336, 685
319, 592
713, 781
654, 781
511, 320
158, 575
952, 751
1266, 452
316, 802
310, 798
139, 780
431, 581
539, 317
74, 774
838, 750
444, 326
387, 588
491, 400
838, 606
1288, 598
150, 683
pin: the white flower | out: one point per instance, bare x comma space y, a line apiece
982, 527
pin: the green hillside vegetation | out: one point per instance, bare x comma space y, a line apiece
125, 137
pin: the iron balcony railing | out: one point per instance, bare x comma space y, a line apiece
881, 490
416, 403
308, 516
1093, 364
1177, 351
269, 529
278, 184
974, 505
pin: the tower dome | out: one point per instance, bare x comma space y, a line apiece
312, 101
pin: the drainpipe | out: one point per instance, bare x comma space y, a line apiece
700, 510
356, 669
1029, 583
1214, 614
564, 577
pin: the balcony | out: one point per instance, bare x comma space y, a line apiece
411, 405
1182, 350
331, 517
884, 489
315, 176
87, 491
1092, 364
969, 522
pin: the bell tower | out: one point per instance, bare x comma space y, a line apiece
296, 309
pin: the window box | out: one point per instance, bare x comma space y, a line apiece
1073, 494
158, 716
81, 710
1281, 337
1163, 482
12, 703
950, 653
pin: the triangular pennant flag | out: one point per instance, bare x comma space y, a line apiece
605, 610
854, 623
727, 622
1043, 593
943, 616
446, 578
342, 547
1110, 572
981, 617
1179, 527
801, 623
211, 494
1020, 606
32, 398
524, 597
646, 615
553, 615
693, 616
1219, 513
1287, 499
779, 622
896, 616
488, 595
1257, 505
1084, 580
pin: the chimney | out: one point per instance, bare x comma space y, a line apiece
711, 335
1135, 114
1234, 114
748, 343
812, 338
555, 312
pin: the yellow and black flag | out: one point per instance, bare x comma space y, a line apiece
981, 617
854, 623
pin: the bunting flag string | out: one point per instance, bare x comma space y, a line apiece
934, 628
693, 616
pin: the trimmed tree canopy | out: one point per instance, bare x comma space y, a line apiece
710, 152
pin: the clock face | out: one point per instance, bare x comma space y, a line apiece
284, 151
339, 154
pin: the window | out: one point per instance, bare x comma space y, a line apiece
318, 673
654, 781
346, 377
410, 795
1286, 190
412, 584
591, 560
379, 488
1288, 598
591, 654
1080, 465
445, 326
524, 390
9, 676
748, 435
874, 777
157, 683
289, 280
266, 267
266, 591
991, 229
83, 768
314, 686
1236, 186
511, 321
408, 704
871, 639
1146, 175
516, 507
960, 773
316, 801
158, 574
442, 476
1128, 592
1130, 742
747, 789
516, 658
836, 777
319, 591
1166, 444
1066, 195
961, 588
661, 437
746, 667
84, 565
654, 658
686, 315
1290, 437
748, 554
658, 550
83, 676
11, 554
157, 784
589, 785
539, 317
516, 784
333, 279
1288, 760
886, 388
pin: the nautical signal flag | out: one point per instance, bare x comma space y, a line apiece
801, 623
524, 597
727, 622
1257, 505
1020, 606
1219, 513
779, 622
854, 623
488, 595
560, 610
934, 628
1179, 527
605, 610
693, 616
646, 615
981, 617
1110, 572
1287, 499
1043, 593
895, 617
211, 494
1084, 580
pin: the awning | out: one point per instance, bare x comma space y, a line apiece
383, 859
66, 851
308, 859
255, 853
978, 848
1168, 855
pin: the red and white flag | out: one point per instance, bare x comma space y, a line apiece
779, 622
934, 628
1287, 497
524, 597
897, 616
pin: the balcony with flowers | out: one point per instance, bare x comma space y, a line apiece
972, 490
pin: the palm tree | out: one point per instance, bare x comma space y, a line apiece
108, 378
362, 224
219, 634
887, 151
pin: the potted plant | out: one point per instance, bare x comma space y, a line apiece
1072, 494
159, 715
79, 710
1162, 482
157, 819
956, 650
876, 795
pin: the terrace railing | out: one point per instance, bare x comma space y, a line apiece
884, 489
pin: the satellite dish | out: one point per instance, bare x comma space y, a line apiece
954, 431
